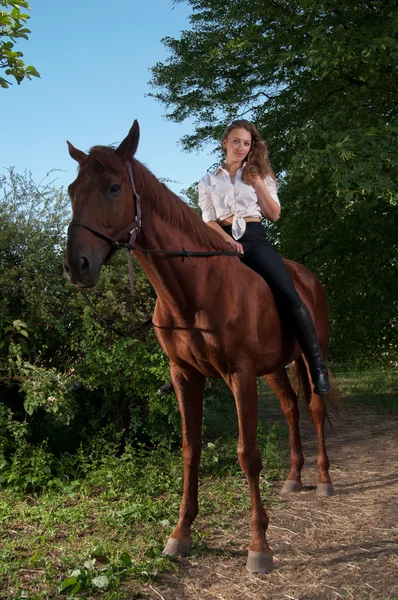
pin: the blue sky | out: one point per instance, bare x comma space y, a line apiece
94, 58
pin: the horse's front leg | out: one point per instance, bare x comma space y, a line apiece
189, 388
244, 389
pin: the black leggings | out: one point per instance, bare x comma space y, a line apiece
262, 257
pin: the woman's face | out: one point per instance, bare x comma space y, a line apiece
237, 145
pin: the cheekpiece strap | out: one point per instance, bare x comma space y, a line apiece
137, 201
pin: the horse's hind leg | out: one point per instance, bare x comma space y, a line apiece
280, 385
244, 388
189, 390
318, 411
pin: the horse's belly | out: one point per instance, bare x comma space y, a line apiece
247, 341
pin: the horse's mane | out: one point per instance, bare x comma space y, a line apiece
162, 201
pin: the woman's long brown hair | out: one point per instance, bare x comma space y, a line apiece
257, 159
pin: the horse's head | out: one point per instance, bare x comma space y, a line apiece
103, 206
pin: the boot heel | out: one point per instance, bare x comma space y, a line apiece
320, 379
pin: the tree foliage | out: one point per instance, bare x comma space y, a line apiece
319, 79
12, 28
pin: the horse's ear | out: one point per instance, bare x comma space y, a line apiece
129, 145
76, 154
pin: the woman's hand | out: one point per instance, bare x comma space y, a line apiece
258, 182
236, 247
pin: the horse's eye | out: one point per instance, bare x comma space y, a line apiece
115, 188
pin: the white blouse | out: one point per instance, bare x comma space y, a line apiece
220, 199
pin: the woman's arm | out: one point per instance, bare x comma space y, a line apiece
270, 209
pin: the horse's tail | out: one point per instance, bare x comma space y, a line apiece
301, 384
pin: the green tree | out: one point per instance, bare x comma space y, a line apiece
319, 78
13, 27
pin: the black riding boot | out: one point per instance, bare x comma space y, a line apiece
304, 331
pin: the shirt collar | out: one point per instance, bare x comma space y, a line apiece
221, 168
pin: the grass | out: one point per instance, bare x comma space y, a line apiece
106, 531
48, 539
376, 388
101, 535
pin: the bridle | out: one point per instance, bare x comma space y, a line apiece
133, 230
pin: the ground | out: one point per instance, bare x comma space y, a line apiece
345, 546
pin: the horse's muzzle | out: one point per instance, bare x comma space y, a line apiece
81, 272
82, 261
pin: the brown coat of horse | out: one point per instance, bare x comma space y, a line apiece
214, 317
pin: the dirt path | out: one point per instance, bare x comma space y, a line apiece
340, 547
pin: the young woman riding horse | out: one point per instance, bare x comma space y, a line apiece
214, 316
233, 201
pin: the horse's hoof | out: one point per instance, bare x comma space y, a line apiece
176, 547
291, 486
324, 489
259, 562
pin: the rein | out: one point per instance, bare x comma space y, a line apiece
133, 230
110, 327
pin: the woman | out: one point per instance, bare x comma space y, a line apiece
233, 201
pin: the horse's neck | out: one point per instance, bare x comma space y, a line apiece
180, 283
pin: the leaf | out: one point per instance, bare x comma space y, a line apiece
77, 588
32, 71
164, 523
100, 582
29, 407
18, 324
68, 583
126, 559
89, 564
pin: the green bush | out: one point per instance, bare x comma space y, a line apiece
63, 378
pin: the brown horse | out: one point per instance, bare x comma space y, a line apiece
214, 317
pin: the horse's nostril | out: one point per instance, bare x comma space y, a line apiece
84, 264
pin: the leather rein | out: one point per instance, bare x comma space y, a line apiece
133, 230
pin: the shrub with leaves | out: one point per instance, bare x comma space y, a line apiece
64, 377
